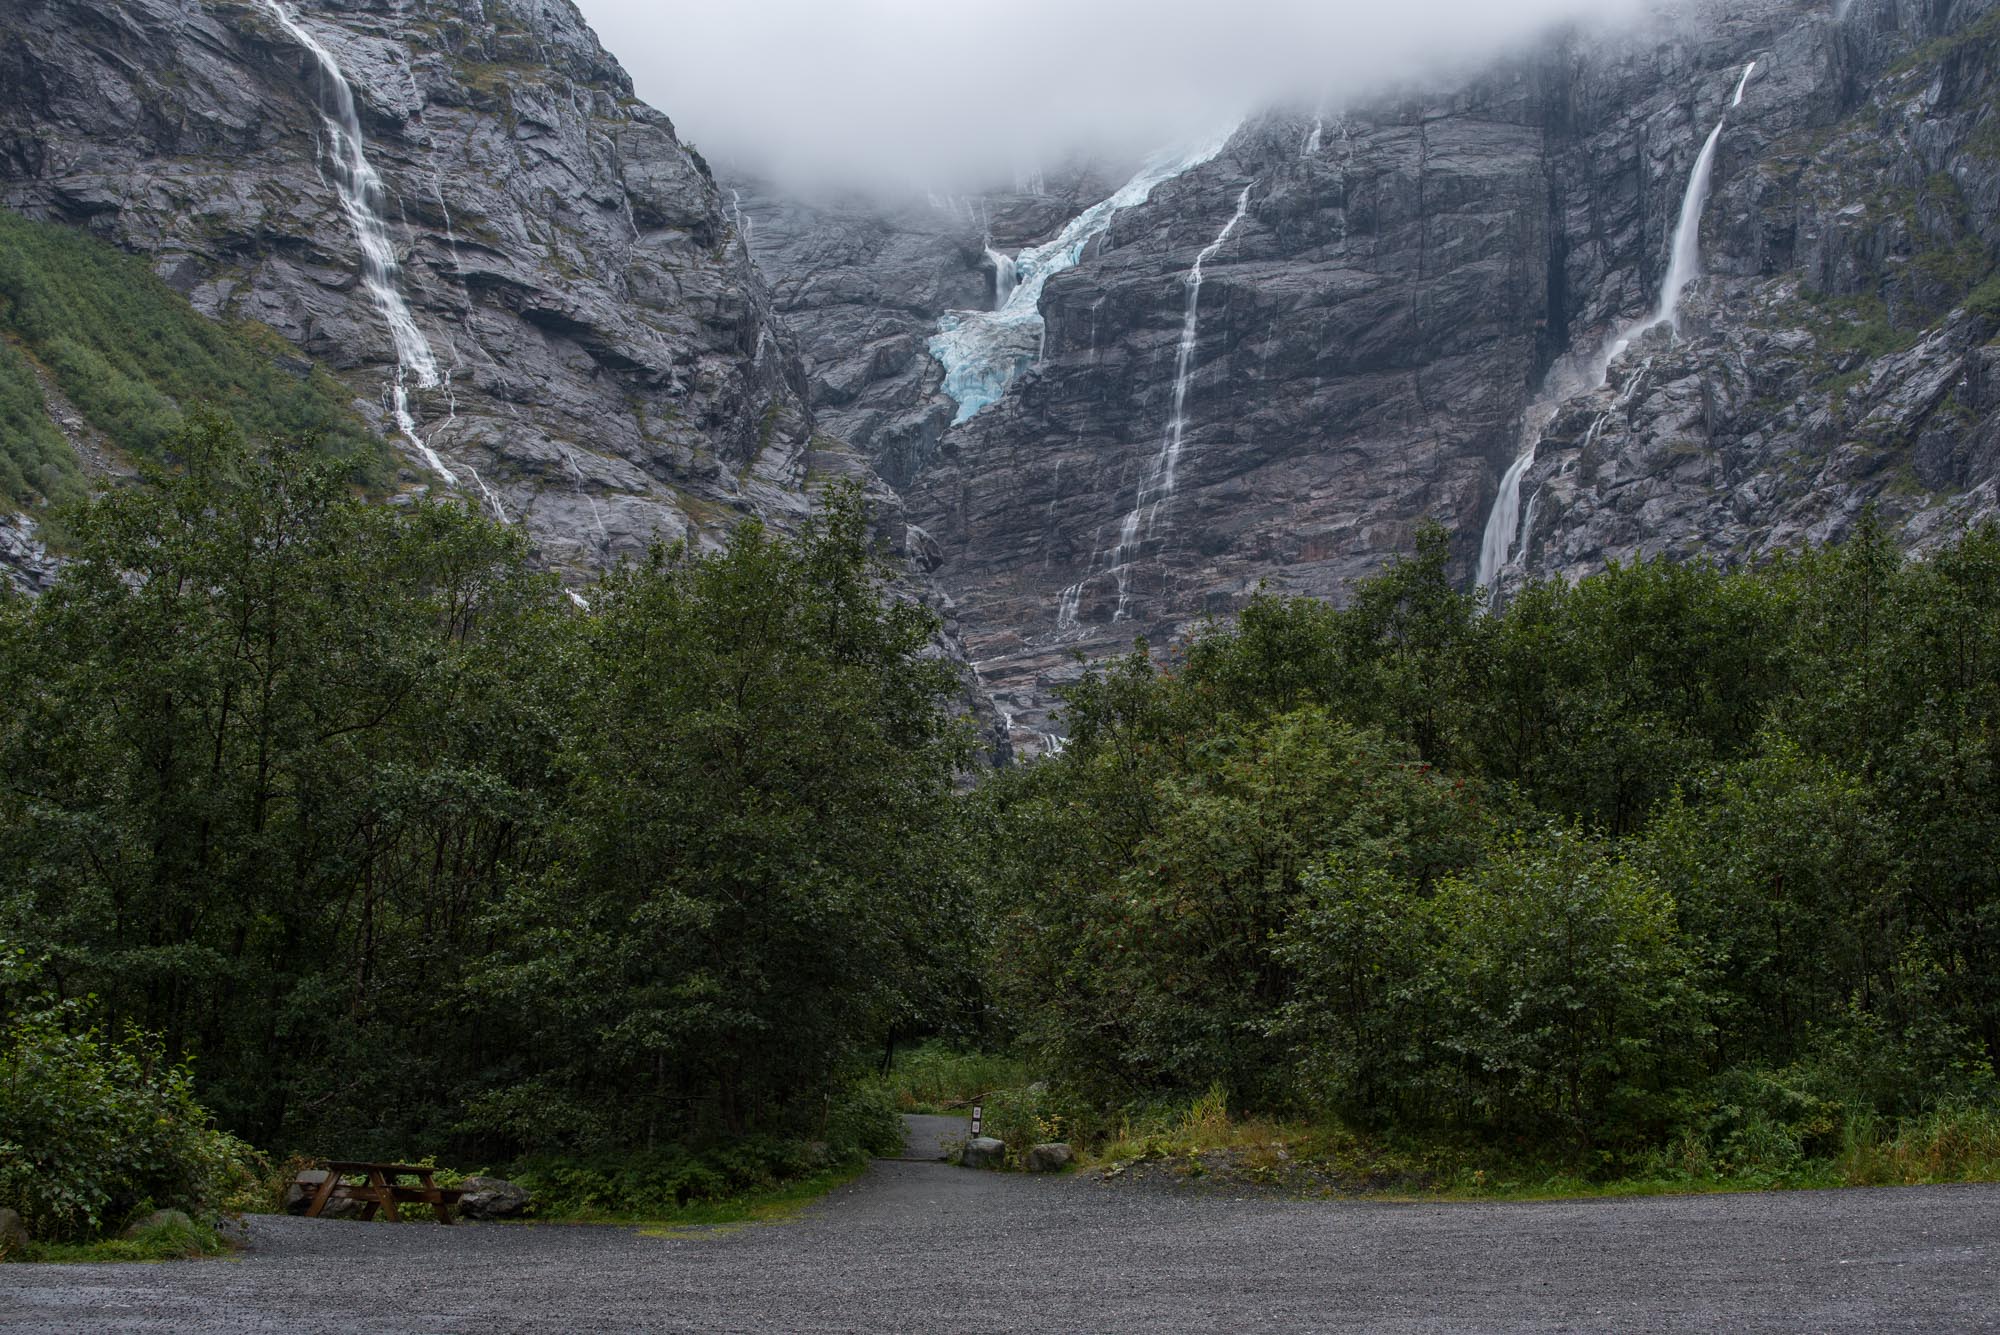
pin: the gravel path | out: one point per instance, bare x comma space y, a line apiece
931, 1138
925, 1247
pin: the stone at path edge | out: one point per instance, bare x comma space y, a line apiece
983, 1152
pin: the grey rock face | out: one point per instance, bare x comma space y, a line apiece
983, 1152
1372, 334
24, 561
492, 1198
615, 371
862, 284
1836, 359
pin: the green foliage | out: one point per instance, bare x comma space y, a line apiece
938, 1075
134, 358
95, 1130
1984, 302
751, 858
171, 1241
656, 1184
1669, 866
676, 1182
35, 461
416, 856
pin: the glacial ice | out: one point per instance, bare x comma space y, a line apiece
984, 352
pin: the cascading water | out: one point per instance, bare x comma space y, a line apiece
984, 351
1156, 488
1160, 481
362, 193
1006, 277
1684, 261
1496, 548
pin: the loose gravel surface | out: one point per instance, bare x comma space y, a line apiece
932, 1138
927, 1247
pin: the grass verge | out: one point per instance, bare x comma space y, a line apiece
1203, 1146
167, 1242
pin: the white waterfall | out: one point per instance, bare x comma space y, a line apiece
361, 196
1156, 488
1503, 526
984, 351
1497, 545
1163, 472
1684, 261
1006, 277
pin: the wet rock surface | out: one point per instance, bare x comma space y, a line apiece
1372, 335
614, 368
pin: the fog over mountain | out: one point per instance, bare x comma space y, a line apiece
910, 92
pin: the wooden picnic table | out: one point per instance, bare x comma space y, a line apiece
383, 1189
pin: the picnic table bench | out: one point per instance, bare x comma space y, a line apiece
383, 1190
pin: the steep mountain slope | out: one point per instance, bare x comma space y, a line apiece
603, 362
1392, 304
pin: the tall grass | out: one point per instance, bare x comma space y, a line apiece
1958, 1143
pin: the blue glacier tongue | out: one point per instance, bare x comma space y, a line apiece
983, 352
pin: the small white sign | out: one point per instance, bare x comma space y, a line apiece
977, 1118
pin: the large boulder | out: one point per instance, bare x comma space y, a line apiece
1052, 1157
13, 1234
299, 1194
492, 1198
299, 1197
983, 1152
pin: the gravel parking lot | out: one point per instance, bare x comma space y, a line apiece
927, 1247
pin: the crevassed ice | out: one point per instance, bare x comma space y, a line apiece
983, 352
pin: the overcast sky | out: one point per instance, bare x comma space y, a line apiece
937, 92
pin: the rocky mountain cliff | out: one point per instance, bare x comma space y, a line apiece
1263, 362
1396, 301
607, 364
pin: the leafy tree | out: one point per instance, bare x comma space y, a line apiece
251, 768
753, 853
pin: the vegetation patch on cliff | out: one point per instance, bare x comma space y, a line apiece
134, 358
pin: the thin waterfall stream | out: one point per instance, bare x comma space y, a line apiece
362, 194
1503, 523
1157, 487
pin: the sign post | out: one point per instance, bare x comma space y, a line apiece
977, 1117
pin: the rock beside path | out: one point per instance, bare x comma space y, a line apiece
13, 1234
492, 1198
1052, 1157
157, 1219
983, 1152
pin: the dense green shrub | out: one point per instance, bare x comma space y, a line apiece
1544, 993
658, 1183
937, 1075
418, 856
1673, 861
93, 1130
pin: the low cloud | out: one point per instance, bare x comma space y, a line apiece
937, 94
